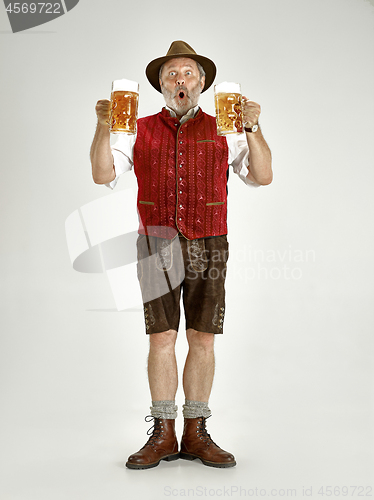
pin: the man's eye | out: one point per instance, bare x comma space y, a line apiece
172, 73
188, 73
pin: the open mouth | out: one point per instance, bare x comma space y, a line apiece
181, 94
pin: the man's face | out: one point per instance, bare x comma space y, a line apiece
181, 85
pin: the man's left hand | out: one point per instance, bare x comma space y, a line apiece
251, 112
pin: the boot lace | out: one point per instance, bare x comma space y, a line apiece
156, 431
202, 432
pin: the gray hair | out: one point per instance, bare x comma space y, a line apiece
199, 67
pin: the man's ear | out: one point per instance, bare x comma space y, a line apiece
202, 83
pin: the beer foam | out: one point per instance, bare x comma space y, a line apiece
125, 85
229, 87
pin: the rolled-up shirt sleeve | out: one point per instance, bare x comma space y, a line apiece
239, 157
123, 154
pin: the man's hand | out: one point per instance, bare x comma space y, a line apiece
251, 112
103, 170
103, 111
259, 168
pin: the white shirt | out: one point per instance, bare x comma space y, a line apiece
123, 152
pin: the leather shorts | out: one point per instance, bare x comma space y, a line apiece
195, 269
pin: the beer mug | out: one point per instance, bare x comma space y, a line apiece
228, 103
124, 107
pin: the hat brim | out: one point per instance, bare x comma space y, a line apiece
153, 69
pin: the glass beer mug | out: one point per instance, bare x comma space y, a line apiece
228, 104
124, 107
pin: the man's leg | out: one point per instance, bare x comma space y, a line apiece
163, 382
197, 383
199, 367
162, 366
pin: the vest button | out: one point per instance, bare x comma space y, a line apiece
180, 153
180, 192
180, 178
180, 206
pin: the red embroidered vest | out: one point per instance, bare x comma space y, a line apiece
182, 176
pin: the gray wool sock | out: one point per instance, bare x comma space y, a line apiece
164, 409
195, 409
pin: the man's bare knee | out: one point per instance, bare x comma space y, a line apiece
163, 340
200, 340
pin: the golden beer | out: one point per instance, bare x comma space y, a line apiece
228, 108
123, 112
124, 107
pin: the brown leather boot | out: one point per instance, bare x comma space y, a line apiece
162, 445
197, 443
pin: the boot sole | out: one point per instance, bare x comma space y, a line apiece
221, 465
168, 458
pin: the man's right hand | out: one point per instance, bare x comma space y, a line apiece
103, 111
103, 170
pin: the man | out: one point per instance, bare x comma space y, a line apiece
181, 166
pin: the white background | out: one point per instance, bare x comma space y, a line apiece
293, 394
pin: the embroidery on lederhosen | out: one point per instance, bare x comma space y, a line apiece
164, 255
222, 317
215, 317
149, 316
218, 317
196, 252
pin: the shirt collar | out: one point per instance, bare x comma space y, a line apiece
190, 113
